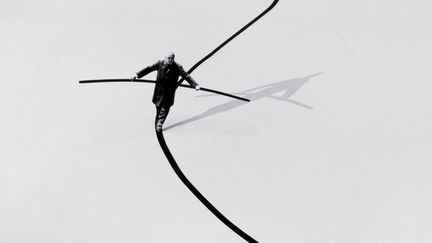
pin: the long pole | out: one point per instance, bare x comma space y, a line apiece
152, 81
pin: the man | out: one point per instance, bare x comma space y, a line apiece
168, 72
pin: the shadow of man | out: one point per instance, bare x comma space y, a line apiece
288, 87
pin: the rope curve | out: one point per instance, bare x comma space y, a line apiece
171, 159
197, 193
231, 37
161, 139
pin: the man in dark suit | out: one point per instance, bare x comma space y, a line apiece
167, 81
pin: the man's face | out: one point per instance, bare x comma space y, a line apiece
170, 58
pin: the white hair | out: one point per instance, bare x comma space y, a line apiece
170, 53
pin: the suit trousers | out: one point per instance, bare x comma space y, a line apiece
161, 114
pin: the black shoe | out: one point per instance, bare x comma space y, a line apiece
159, 127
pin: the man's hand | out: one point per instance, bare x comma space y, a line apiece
197, 87
133, 77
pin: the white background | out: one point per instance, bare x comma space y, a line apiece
344, 156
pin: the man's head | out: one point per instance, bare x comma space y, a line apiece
169, 58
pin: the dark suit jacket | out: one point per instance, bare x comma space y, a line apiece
166, 81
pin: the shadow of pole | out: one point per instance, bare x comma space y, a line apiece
288, 87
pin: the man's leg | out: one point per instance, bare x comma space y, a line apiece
157, 114
161, 115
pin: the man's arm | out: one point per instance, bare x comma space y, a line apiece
146, 70
188, 78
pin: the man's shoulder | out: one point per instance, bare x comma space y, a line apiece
158, 63
178, 65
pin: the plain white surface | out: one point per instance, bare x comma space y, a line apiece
346, 157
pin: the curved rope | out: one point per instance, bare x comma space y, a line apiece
171, 159
164, 146
195, 191
231, 38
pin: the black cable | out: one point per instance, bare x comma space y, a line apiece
231, 38
171, 159
195, 191
164, 146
